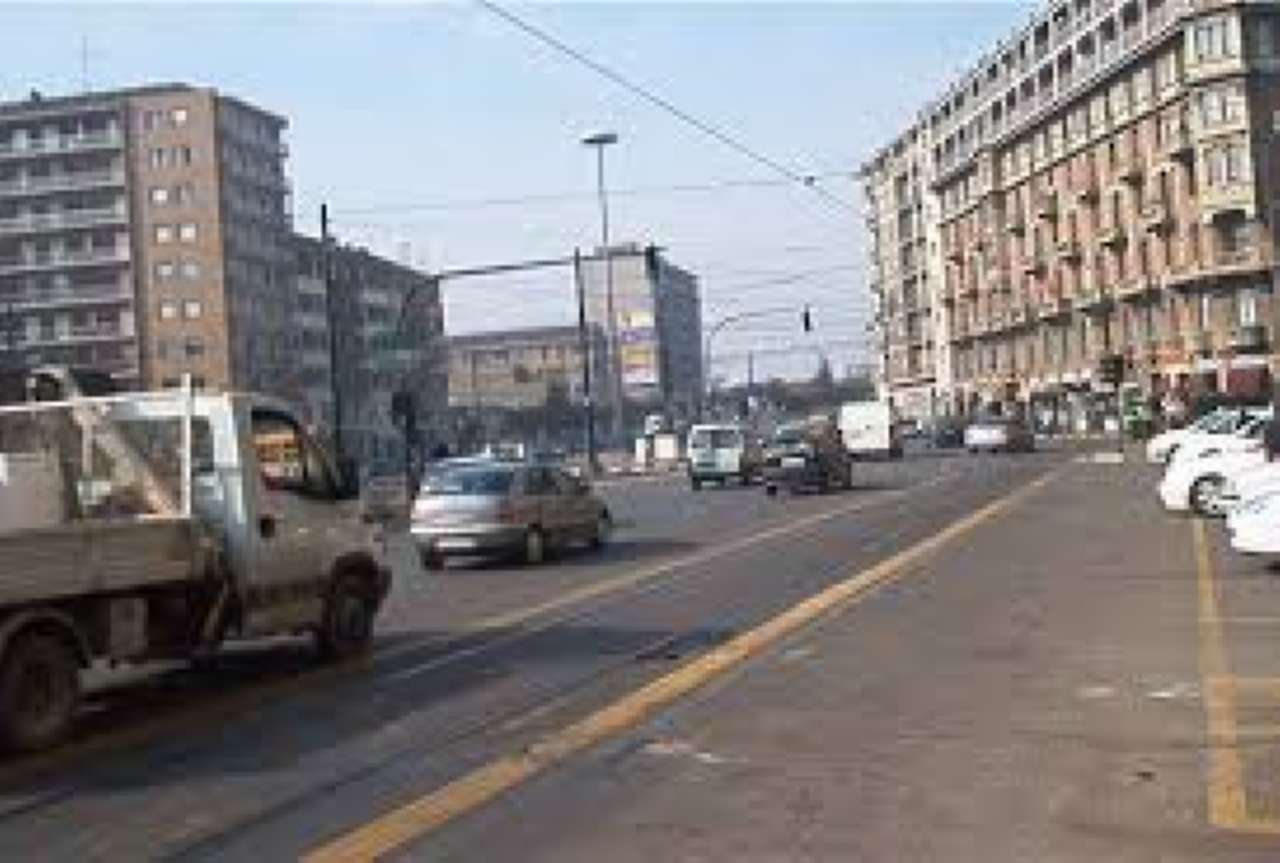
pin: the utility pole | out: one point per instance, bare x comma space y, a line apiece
600, 140
331, 313
584, 350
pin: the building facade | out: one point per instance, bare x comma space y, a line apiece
145, 232
389, 339
1104, 182
658, 321
525, 369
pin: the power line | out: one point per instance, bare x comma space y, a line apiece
808, 181
571, 197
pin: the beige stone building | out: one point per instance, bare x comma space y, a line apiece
146, 232
519, 369
1104, 182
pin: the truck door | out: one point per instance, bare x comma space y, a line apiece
296, 500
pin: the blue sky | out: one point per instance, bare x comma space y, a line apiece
403, 116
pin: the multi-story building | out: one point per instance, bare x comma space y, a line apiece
523, 369
658, 323
1104, 179
389, 339
145, 232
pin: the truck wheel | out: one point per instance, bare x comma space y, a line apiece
347, 628
39, 691
535, 546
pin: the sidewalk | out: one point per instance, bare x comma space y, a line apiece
1033, 693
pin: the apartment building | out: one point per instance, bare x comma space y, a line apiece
389, 338
1104, 181
144, 232
658, 321
523, 369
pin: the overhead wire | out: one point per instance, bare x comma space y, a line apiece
807, 181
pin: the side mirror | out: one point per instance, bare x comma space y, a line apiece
348, 479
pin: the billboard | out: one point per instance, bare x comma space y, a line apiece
638, 348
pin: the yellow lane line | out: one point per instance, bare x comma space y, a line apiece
1227, 807
607, 585
216, 710
420, 817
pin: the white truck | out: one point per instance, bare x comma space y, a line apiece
158, 525
869, 430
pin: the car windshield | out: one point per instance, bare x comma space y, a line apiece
789, 437
1218, 422
469, 481
715, 439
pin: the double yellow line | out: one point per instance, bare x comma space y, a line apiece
420, 817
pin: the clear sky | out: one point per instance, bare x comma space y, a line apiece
407, 118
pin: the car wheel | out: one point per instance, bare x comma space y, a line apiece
535, 546
602, 532
1206, 493
431, 559
39, 691
347, 628
771, 490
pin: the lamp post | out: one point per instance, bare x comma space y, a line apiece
601, 140
733, 319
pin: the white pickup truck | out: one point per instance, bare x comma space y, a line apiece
158, 525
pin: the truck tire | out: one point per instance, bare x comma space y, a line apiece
39, 691
347, 628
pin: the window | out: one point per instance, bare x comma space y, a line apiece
191, 309
168, 310
1235, 163
185, 155
193, 346
164, 270
178, 116
159, 195
187, 232
164, 233
156, 158
287, 460
190, 270
184, 193
1246, 307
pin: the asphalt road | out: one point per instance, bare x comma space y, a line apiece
263, 756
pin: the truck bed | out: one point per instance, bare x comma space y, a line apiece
97, 556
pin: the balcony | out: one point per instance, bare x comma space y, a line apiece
1069, 251
1034, 264
73, 182
1015, 225
998, 282
83, 258
1218, 201
35, 223
1046, 207
1092, 298
65, 144
83, 295
1112, 237
1085, 189
1177, 143
1054, 308
1199, 343
1249, 339
1128, 168
1156, 218
955, 254
1137, 287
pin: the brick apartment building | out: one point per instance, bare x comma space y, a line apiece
145, 232
1101, 182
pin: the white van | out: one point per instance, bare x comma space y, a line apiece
721, 452
869, 430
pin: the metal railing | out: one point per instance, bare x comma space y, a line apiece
58, 182
66, 219
89, 256
61, 144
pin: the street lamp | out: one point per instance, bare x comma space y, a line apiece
600, 140
805, 321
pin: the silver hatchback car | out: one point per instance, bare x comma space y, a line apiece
497, 508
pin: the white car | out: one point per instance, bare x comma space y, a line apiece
1247, 485
1254, 526
1246, 437
1160, 449
1198, 484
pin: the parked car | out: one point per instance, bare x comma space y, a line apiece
1223, 421
723, 452
947, 433
1247, 436
1199, 483
808, 455
505, 508
1254, 525
999, 434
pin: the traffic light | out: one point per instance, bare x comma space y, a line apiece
806, 320
1111, 369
